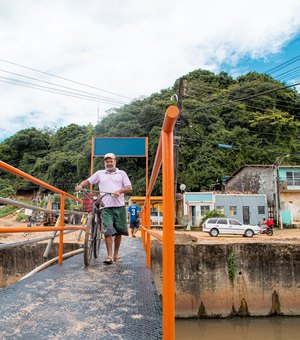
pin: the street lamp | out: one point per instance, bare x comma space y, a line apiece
277, 194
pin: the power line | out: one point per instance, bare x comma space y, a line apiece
283, 65
58, 85
66, 79
56, 91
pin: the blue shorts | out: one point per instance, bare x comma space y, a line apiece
134, 225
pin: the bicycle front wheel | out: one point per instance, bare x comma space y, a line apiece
98, 237
88, 242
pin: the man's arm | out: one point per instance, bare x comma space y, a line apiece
127, 188
83, 184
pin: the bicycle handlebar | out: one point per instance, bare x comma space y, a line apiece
91, 195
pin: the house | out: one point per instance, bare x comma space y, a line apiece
254, 179
280, 184
289, 194
247, 208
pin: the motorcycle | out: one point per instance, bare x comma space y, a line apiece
267, 230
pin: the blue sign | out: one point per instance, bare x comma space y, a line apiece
120, 146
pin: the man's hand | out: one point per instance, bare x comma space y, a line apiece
117, 193
82, 185
126, 189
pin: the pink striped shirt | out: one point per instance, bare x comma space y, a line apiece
111, 182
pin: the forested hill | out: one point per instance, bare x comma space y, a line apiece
254, 113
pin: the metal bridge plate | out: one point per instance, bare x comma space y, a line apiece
69, 301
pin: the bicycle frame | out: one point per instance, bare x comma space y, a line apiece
94, 230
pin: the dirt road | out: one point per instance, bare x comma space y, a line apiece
285, 235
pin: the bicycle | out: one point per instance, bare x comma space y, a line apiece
94, 228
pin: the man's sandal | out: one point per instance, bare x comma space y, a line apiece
117, 259
108, 260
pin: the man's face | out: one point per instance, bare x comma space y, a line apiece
110, 164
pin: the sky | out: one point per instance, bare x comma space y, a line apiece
103, 54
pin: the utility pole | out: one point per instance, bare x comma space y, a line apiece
176, 136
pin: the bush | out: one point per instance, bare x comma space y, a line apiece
211, 213
21, 217
7, 210
57, 198
6, 188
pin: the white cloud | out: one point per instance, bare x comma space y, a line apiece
125, 46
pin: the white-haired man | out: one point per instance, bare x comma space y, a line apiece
114, 217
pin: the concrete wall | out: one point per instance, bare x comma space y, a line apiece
17, 262
266, 280
291, 201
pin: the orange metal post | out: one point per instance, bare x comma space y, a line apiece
147, 165
61, 233
170, 119
164, 154
145, 210
148, 261
168, 225
168, 239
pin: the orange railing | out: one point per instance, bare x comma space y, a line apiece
61, 227
164, 157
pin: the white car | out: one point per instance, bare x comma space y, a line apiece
215, 226
155, 218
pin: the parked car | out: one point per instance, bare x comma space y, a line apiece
216, 226
155, 218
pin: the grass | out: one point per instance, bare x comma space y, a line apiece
7, 210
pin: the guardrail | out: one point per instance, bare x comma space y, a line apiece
164, 157
60, 227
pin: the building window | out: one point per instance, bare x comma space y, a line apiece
203, 209
293, 178
221, 208
261, 209
232, 210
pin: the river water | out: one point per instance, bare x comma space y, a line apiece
264, 328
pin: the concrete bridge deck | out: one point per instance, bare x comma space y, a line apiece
69, 301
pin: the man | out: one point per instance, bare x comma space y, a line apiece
114, 220
134, 218
28, 213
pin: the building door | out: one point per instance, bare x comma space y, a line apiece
246, 215
192, 215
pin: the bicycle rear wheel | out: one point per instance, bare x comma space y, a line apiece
88, 241
98, 237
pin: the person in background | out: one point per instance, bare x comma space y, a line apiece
28, 213
114, 220
134, 218
269, 223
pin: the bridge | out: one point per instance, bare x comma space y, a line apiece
70, 301
119, 301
